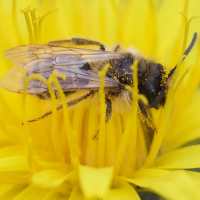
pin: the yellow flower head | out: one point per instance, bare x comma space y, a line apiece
72, 153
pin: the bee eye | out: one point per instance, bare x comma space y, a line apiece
159, 98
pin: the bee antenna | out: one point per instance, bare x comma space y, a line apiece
186, 53
159, 98
191, 45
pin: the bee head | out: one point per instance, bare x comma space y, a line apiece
154, 83
161, 97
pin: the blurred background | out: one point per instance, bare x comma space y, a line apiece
156, 27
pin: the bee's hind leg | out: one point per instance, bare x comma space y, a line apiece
108, 115
43, 116
79, 41
82, 41
70, 103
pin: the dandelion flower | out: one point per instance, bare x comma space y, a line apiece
56, 157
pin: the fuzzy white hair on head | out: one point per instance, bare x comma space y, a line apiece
133, 51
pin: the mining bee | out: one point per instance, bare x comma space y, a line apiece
80, 66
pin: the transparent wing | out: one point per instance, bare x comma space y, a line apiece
75, 79
35, 57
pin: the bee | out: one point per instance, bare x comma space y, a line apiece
80, 66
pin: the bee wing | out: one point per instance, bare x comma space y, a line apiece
36, 57
43, 59
75, 79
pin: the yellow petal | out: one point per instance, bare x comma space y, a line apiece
122, 190
14, 170
4, 188
13, 192
78, 195
32, 193
55, 165
64, 191
95, 182
14, 163
150, 39
186, 128
57, 196
15, 177
184, 158
168, 21
9, 151
168, 184
51, 178
195, 176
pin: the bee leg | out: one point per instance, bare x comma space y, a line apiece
146, 116
108, 116
80, 41
47, 96
148, 134
43, 116
70, 103
147, 124
108, 110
